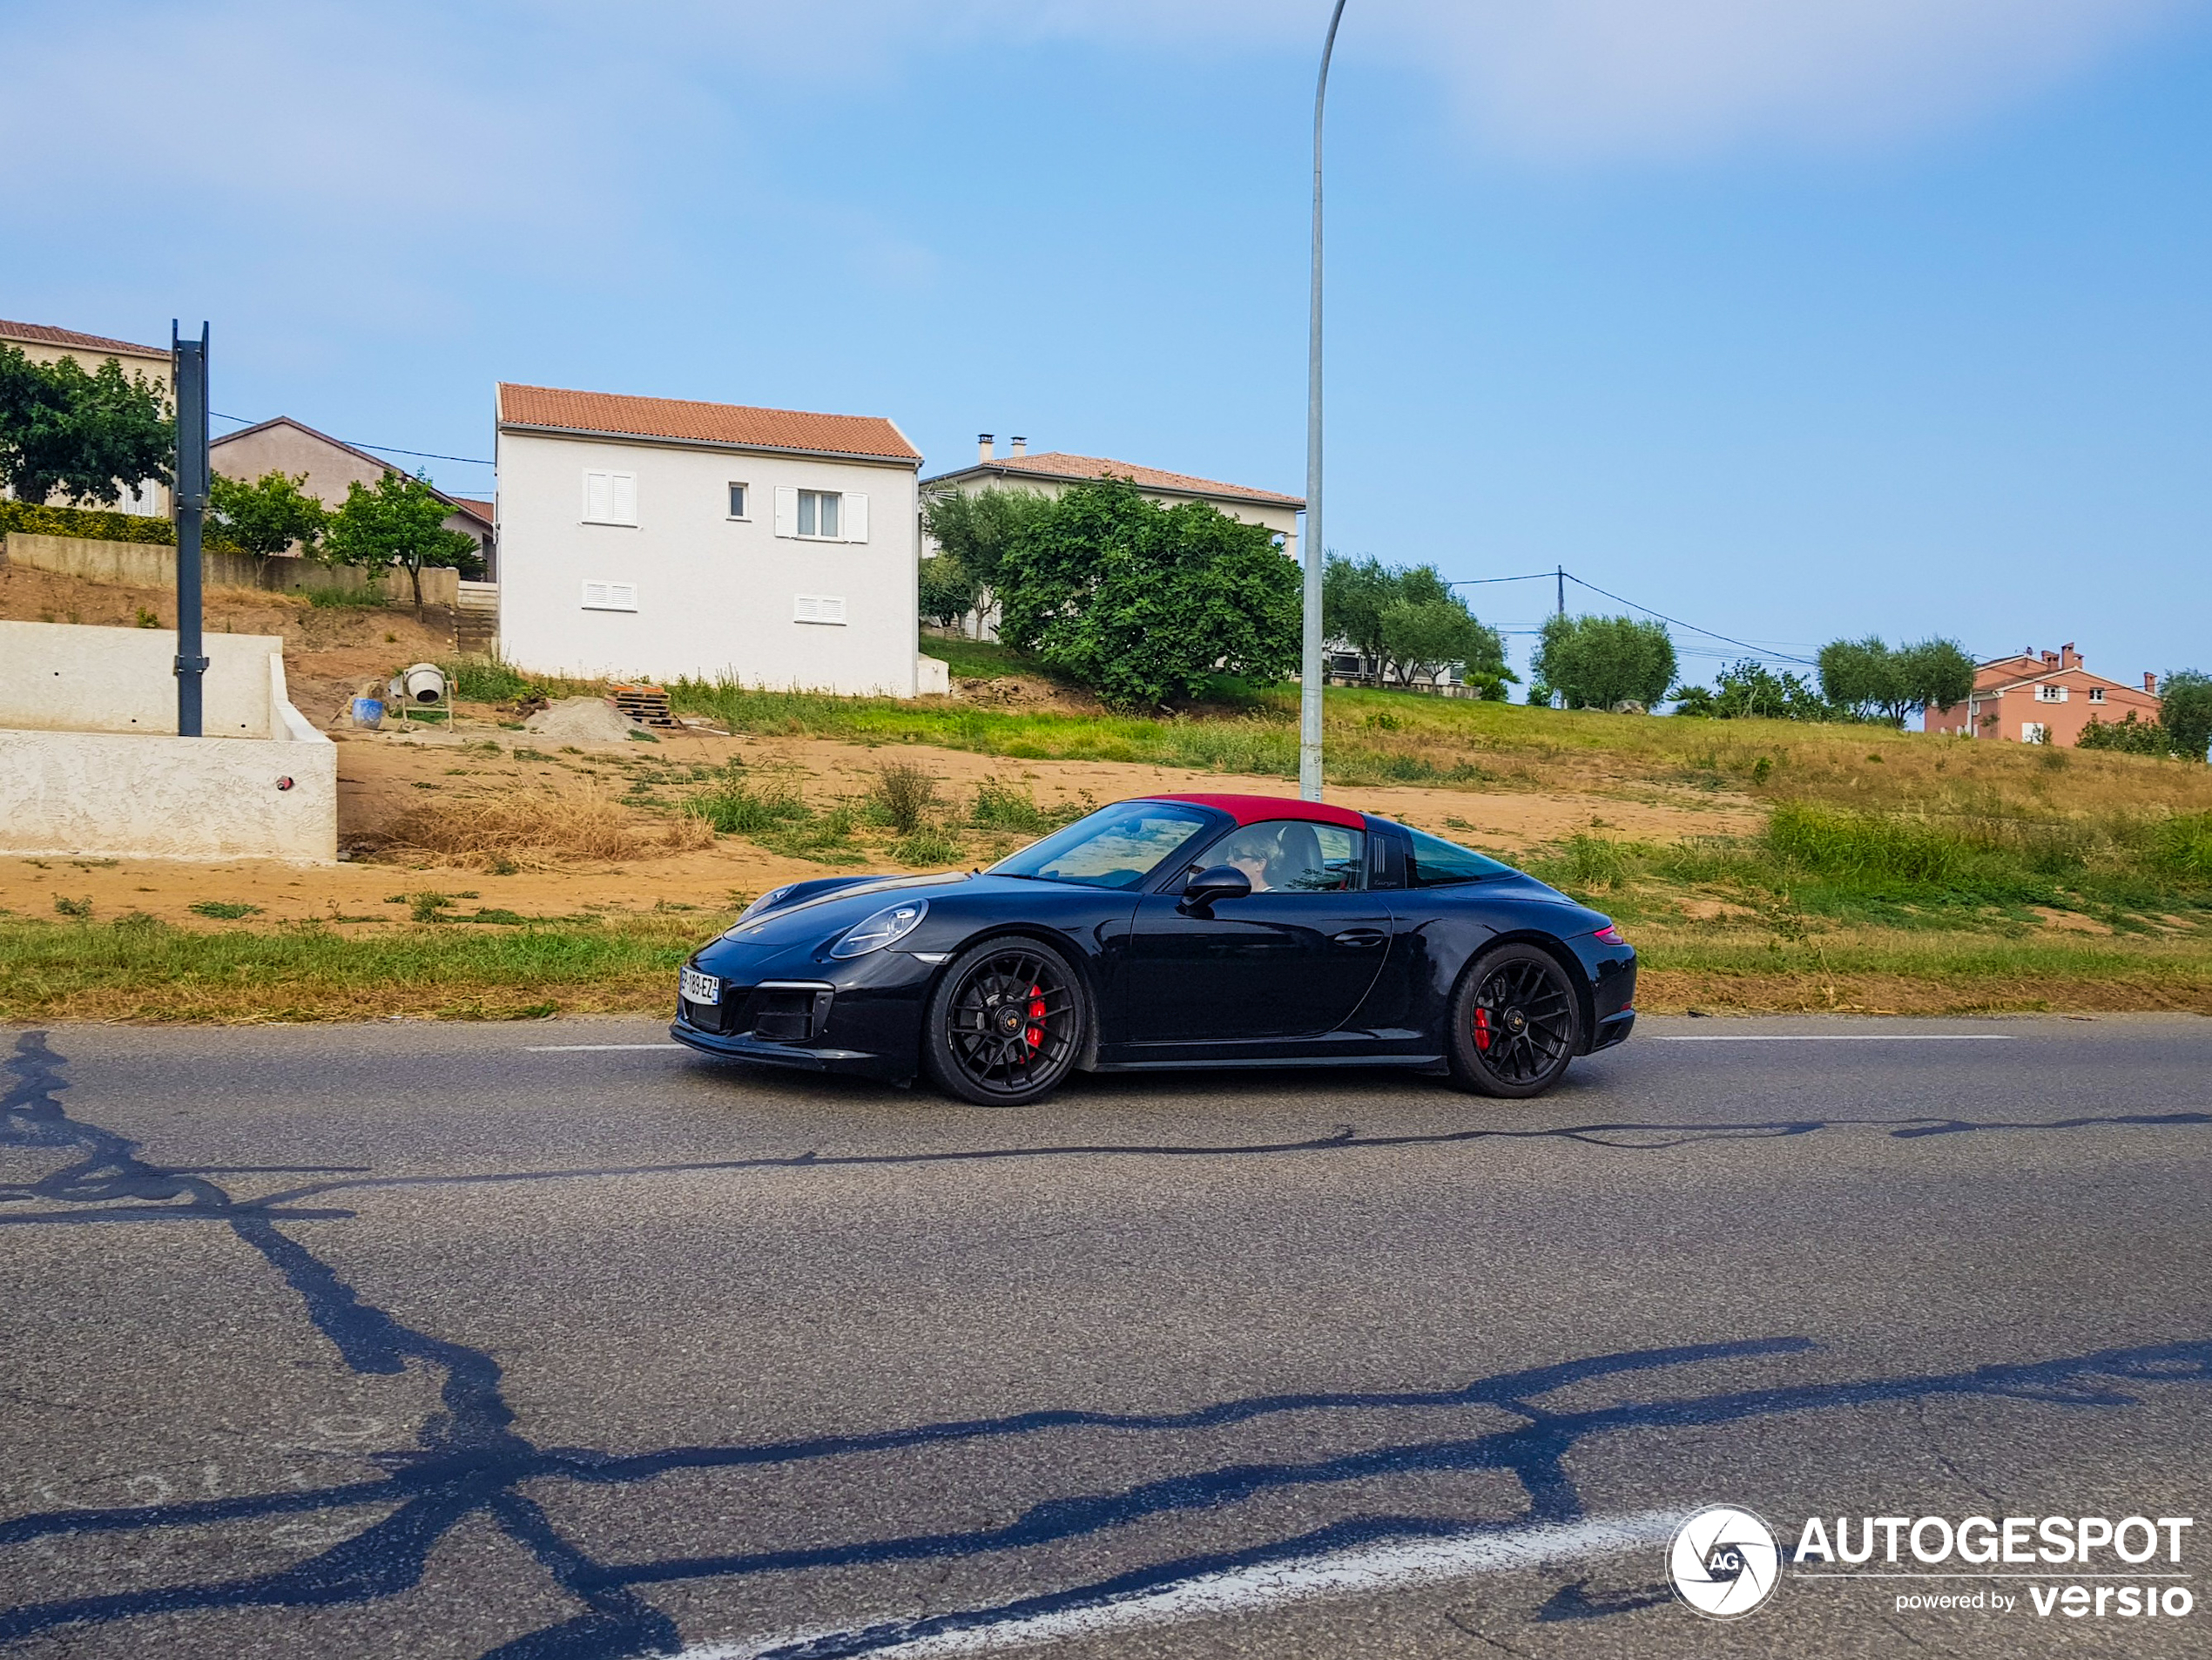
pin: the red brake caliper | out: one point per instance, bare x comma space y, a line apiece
1483, 1029
1035, 1034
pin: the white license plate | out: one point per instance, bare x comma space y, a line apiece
701, 988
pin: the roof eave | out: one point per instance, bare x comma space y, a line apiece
533, 429
1255, 498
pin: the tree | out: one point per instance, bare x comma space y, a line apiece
2129, 735
1867, 679
1354, 595
1409, 621
1749, 689
89, 437
2186, 712
1145, 604
1602, 662
977, 530
1425, 637
947, 592
268, 516
398, 521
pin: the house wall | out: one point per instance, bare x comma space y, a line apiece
151, 499
716, 597
330, 469
90, 762
2017, 707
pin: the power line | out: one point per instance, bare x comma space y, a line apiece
1540, 576
1692, 627
382, 449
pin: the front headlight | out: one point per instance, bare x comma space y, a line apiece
886, 927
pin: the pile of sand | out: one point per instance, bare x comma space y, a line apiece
584, 722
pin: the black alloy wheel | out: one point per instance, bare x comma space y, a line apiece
1515, 1023
1005, 1024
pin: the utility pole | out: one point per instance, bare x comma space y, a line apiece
1310, 678
1560, 572
188, 374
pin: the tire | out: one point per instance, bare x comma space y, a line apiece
1515, 1023
1007, 1023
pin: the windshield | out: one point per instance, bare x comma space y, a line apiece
1115, 847
1437, 863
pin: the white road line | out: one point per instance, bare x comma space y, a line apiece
1382, 1567
1835, 1038
589, 1048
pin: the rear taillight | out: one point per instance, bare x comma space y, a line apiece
1611, 936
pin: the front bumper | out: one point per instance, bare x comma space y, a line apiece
746, 1047
861, 1017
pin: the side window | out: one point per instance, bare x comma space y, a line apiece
1439, 863
610, 498
737, 500
1294, 857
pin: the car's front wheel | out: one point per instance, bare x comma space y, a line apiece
1005, 1024
1516, 1023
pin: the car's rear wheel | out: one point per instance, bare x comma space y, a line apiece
1516, 1023
1006, 1023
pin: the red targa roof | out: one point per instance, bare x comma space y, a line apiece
1260, 809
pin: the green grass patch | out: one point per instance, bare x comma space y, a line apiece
143, 969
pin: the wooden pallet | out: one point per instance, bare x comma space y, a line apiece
647, 705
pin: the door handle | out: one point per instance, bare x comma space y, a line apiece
1360, 939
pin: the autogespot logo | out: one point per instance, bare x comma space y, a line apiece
1724, 1563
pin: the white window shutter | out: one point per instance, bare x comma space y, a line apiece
856, 517
597, 498
625, 495
786, 509
818, 608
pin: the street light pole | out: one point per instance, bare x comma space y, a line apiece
1310, 674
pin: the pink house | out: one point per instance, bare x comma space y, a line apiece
2043, 698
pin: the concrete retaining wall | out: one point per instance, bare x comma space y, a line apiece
90, 762
118, 796
153, 564
67, 678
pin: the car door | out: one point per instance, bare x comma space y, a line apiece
1294, 958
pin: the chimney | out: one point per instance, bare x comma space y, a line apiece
1021, 446
2068, 657
982, 446
2150, 683
2050, 659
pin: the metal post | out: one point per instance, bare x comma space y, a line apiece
1311, 678
188, 366
1560, 572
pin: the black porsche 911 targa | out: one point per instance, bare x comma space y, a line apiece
1172, 931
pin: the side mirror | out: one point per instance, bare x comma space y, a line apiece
1212, 886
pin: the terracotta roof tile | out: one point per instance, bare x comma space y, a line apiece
39, 333
1058, 464
481, 510
713, 424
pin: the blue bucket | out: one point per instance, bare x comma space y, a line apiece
369, 713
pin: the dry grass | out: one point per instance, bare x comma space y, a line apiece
523, 831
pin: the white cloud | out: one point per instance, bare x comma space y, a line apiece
1598, 80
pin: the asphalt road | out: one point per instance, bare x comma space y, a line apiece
443, 1340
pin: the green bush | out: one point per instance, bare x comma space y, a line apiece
1143, 603
326, 598
2182, 845
734, 807
1859, 846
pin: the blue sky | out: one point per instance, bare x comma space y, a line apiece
1848, 316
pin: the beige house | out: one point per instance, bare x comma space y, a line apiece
1053, 471
283, 445
42, 344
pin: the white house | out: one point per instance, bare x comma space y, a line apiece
661, 538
